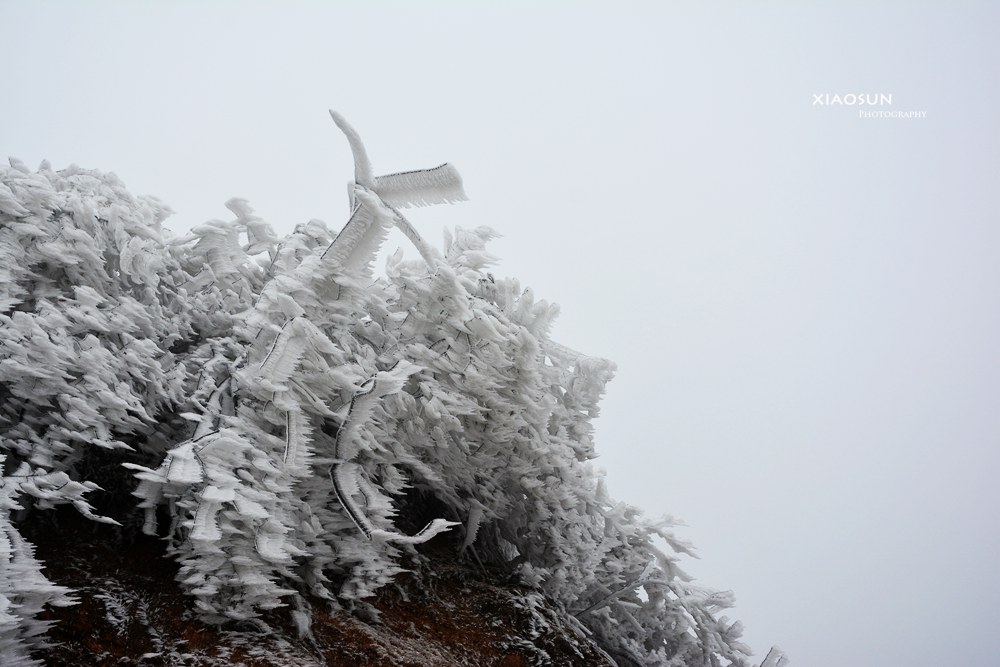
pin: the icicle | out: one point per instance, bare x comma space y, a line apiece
644, 577
270, 542
431, 530
359, 241
183, 466
285, 352
342, 485
775, 658
429, 253
205, 527
472, 524
422, 187
296, 435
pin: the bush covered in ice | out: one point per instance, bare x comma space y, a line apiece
282, 409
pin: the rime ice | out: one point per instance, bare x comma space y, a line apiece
287, 408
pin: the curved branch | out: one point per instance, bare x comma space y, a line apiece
362, 166
342, 484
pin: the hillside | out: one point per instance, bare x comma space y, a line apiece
232, 447
445, 613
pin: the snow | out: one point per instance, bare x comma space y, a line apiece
282, 400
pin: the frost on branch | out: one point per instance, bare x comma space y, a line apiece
24, 590
288, 412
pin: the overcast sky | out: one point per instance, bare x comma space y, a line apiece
802, 303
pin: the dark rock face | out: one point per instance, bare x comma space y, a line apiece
445, 612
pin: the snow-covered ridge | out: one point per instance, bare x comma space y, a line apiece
285, 411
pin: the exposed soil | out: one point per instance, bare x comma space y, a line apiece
132, 612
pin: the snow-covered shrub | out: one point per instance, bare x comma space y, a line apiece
24, 590
284, 406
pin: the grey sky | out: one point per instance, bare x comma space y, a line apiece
802, 303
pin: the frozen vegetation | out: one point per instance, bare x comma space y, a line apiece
278, 412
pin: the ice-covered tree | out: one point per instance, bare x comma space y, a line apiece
286, 411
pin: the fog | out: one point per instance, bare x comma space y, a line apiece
802, 302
